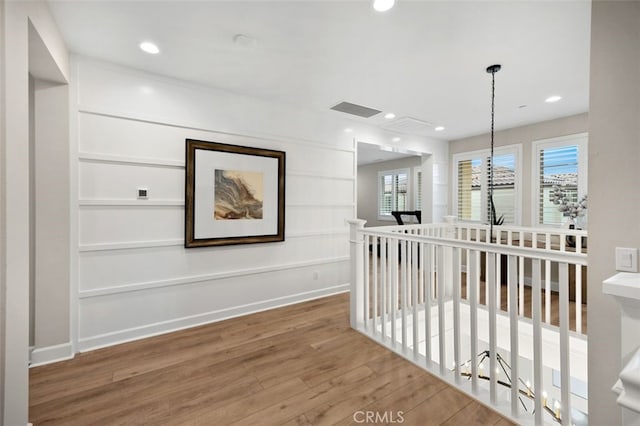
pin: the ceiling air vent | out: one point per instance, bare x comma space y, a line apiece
409, 125
353, 109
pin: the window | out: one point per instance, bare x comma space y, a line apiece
471, 188
417, 176
504, 187
558, 163
393, 192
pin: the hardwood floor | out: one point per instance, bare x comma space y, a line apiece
297, 365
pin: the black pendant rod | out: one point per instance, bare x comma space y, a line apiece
493, 69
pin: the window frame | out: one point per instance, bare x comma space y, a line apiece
395, 172
516, 150
579, 139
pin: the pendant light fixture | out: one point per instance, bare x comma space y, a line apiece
492, 69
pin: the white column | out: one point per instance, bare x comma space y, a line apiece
356, 297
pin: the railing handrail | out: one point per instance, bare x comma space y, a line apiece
410, 284
502, 228
506, 249
540, 231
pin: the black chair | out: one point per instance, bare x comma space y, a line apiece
398, 215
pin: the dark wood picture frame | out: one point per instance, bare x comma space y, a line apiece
203, 228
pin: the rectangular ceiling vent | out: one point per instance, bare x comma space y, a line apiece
409, 125
353, 109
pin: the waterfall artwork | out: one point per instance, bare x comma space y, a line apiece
233, 194
238, 195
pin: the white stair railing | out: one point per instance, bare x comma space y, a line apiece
418, 290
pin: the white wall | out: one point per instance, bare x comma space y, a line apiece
135, 278
524, 135
435, 167
18, 17
51, 213
368, 187
3, 281
614, 199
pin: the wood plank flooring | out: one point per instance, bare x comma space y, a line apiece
297, 365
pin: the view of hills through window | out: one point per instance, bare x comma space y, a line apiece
558, 166
471, 182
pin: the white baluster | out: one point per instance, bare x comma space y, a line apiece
513, 326
375, 285
427, 302
491, 285
486, 269
547, 283
521, 276
473, 306
499, 280
537, 339
367, 284
565, 377
456, 312
415, 299
578, 301
404, 256
442, 341
383, 286
394, 290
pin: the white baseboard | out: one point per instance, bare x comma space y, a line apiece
136, 333
51, 354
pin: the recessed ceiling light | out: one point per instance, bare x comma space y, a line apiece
383, 5
439, 128
348, 130
149, 47
389, 115
554, 98
396, 139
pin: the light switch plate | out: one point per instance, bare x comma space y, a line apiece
626, 259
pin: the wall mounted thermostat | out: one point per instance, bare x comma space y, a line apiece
143, 193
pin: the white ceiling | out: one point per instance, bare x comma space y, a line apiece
423, 59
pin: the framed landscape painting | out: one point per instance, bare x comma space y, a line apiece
233, 194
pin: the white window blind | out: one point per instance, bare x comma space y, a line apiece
557, 166
561, 162
504, 196
393, 191
469, 189
472, 179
